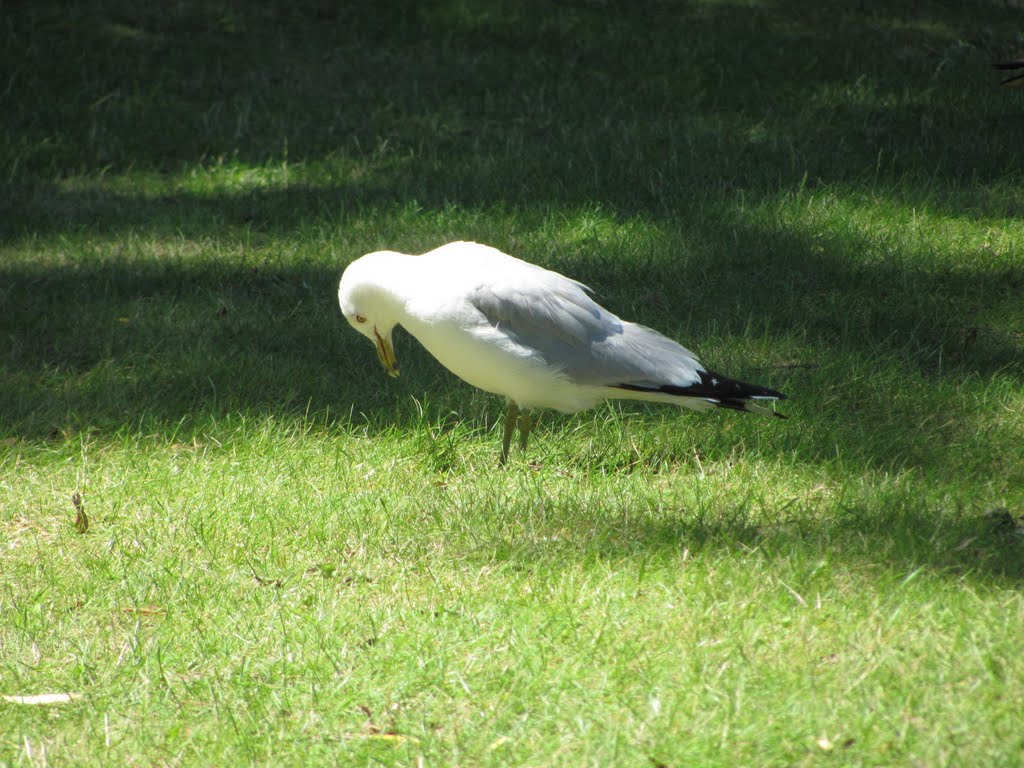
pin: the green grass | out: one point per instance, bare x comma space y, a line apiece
292, 559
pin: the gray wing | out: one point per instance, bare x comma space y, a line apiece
555, 318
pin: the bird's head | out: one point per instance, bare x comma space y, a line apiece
369, 306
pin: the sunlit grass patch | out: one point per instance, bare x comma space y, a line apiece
292, 559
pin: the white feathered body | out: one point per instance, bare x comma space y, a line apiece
515, 329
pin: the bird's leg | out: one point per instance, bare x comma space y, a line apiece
511, 417
525, 425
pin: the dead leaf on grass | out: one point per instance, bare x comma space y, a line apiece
145, 610
825, 744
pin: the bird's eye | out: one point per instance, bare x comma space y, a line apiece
360, 319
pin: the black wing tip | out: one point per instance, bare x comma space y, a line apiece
717, 385
720, 390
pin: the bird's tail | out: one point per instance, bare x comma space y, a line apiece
713, 390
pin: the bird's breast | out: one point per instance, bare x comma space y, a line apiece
488, 359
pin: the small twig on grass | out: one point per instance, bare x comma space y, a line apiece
263, 581
81, 519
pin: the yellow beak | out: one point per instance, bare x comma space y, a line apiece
386, 354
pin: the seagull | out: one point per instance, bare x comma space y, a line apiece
527, 333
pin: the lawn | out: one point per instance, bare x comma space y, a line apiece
278, 555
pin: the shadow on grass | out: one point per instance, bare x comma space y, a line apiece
294, 116
895, 535
154, 339
487, 102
